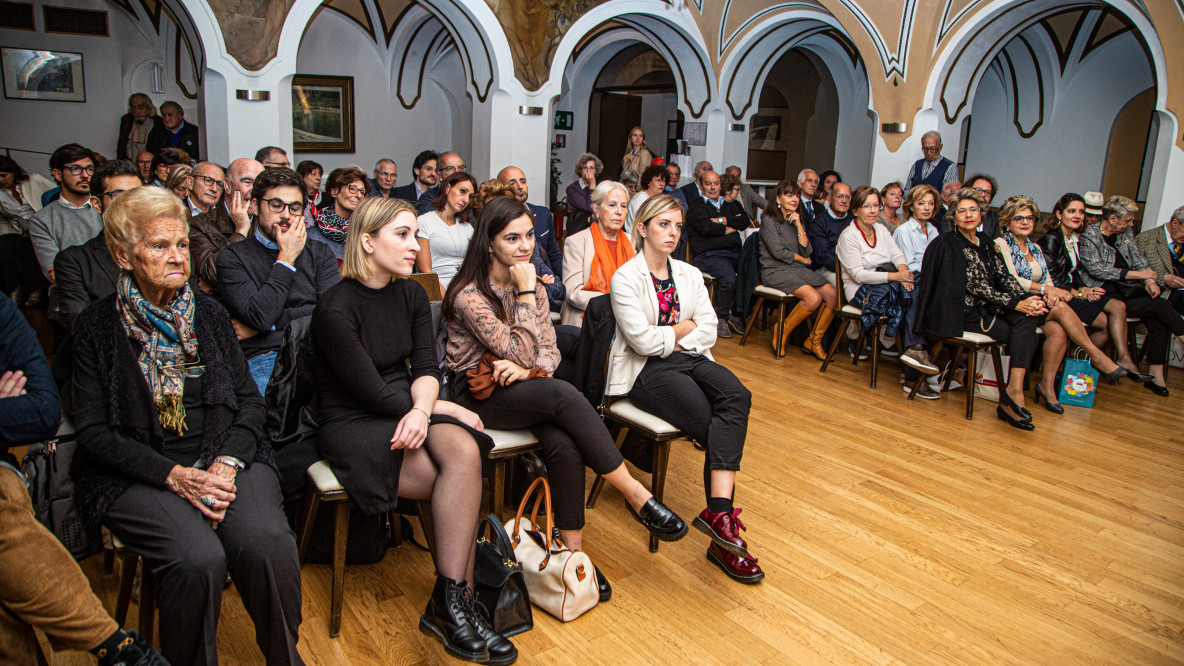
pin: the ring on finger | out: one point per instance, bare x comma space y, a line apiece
207, 500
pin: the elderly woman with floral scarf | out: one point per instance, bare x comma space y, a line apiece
171, 456
1025, 261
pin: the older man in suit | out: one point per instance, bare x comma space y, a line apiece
1164, 249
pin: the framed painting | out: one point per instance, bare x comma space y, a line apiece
766, 130
323, 113
50, 76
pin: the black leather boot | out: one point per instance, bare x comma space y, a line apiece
449, 617
501, 650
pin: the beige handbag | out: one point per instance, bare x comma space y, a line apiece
560, 581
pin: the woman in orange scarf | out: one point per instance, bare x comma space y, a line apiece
591, 256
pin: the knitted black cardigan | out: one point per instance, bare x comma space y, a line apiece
119, 435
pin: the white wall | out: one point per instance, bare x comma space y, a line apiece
441, 120
113, 68
1068, 151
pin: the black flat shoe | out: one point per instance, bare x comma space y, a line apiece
1013, 422
1006, 400
659, 520
1156, 388
1138, 377
1053, 407
602, 586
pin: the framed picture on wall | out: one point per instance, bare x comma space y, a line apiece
50, 76
323, 113
766, 130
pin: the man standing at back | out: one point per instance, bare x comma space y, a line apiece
544, 224
383, 182
449, 164
424, 168
273, 276
932, 169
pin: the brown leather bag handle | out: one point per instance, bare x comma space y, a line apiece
545, 494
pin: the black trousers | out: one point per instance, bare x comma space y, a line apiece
1176, 298
703, 399
18, 265
1011, 327
721, 264
1162, 322
570, 433
190, 560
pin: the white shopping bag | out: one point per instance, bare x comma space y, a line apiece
986, 384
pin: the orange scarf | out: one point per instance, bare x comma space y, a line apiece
606, 262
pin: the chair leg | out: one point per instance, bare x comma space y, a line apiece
497, 488
840, 334
971, 363
955, 357
783, 333
658, 479
127, 579
429, 526
1000, 380
598, 484
108, 561
340, 538
147, 602
309, 514
875, 333
751, 319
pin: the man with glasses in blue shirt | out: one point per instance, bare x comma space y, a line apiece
71, 219
275, 275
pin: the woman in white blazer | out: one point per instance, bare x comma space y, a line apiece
591, 256
661, 359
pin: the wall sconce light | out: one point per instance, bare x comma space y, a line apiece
158, 77
253, 95
735, 127
530, 110
894, 128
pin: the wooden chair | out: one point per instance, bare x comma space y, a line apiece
628, 416
782, 299
969, 343
507, 445
847, 313
129, 562
323, 487
431, 284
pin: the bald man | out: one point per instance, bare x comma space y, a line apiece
544, 224
227, 222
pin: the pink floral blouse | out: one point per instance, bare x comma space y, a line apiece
527, 340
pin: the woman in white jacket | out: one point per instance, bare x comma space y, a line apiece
661, 359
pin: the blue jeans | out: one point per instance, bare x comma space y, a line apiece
260, 367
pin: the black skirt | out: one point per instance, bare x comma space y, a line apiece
1088, 311
357, 447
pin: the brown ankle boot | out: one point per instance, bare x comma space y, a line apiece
825, 315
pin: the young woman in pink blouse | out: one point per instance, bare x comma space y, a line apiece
496, 305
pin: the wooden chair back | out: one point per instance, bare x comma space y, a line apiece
431, 284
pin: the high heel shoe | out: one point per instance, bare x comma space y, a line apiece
1115, 376
1005, 399
1013, 422
1138, 377
1053, 407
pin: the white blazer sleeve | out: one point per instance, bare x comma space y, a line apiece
644, 337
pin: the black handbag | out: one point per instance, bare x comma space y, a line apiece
500, 586
46, 467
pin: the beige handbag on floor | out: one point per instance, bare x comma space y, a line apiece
560, 581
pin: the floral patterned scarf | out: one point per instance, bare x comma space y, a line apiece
169, 342
332, 225
1022, 267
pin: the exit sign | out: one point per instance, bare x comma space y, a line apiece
565, 120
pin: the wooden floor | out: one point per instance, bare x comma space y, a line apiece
891, 532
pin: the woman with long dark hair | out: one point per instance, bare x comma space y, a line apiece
501, 359
444, 231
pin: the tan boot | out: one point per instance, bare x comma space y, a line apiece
814, 345
795, 318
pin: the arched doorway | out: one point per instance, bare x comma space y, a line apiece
635, 88
796, 120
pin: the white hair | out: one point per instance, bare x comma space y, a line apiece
934, 134
803, 172
604, 188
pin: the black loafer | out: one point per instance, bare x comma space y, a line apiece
1013, 422
1156, 388
660, 520
602, 586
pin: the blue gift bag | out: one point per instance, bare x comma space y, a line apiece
1079, 383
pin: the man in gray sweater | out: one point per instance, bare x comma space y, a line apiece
71, 219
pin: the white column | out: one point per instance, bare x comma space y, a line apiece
237, 128
1165, 188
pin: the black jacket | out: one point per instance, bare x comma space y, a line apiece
85, 273
1060, 268
125, 132
119, 435
406, 193
704, 235
158, 138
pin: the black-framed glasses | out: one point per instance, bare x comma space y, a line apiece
1024, 218
277, 205
210, 182
355, 189
76, 170
278, 165
113, 193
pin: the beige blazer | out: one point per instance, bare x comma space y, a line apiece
578, 251
637, 162
1153, 243
638, 335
